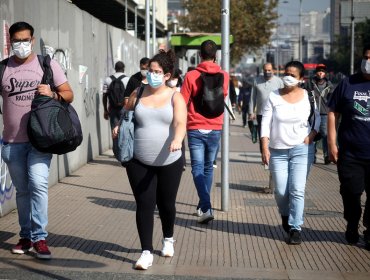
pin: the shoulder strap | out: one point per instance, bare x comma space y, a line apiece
138, 96
121, 77
113, 77
311, 98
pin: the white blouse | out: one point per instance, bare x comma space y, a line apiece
286, 124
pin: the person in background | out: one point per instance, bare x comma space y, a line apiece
137, 79
287, 147
349, 106
113, 112
261, 89
243, 102
203, 133
155, 171
322, 89
28, 168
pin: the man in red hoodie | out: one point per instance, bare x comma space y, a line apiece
203, 133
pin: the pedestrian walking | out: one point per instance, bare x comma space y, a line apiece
28, 168
155, 172
203, 131
349, 106
113, 91
287, 146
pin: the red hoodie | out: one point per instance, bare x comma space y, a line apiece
190, 88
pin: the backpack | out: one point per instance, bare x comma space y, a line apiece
116, 91
209, 102
123, 145
312, 117
53, 126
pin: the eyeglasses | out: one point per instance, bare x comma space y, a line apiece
157, 72
18, 42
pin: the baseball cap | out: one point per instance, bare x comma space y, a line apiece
321, 67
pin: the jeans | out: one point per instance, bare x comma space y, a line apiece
354, 177
289, 169
203, 148
323, 130
29, 171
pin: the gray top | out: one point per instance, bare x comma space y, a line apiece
260, 92
154, 133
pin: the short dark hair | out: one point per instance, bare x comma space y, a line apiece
144, 60
166, 60
20, 26
296, 64
119, 66
208, 50
366, 48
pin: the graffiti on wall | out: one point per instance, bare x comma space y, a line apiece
90, 101
6, 186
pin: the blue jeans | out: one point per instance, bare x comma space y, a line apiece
289, 169
203, 148
29, 171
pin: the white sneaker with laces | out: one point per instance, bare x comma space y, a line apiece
199, 212
206, 217
168, 249
145, 260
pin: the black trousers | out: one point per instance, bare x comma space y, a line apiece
151, 186
354, 177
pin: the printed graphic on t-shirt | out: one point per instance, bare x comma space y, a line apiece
21, 90
361, 104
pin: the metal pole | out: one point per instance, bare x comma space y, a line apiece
300, 32
225, 52
352, 38
147, 28
126, 13
135, 21
154, 34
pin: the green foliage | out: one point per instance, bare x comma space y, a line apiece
251, 22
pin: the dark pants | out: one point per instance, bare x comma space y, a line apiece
151, 186
114, 116
354, 177
259, 121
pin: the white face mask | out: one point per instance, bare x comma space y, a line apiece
22, 49
290, 81
143, 72
365, 66
172, 83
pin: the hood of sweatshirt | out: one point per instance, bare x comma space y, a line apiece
208, 67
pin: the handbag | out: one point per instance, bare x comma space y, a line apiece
123, 145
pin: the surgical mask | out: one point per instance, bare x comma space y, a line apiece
22, 49
172, 83
290, 81
154, 80
267, 75
365, 66
143, 72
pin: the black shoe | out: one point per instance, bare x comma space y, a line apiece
326, 160
295, 237
352, 236
284, 223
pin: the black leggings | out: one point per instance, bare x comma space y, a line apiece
151, 186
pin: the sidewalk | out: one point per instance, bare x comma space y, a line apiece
92, 230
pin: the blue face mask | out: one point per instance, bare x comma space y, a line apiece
154, 80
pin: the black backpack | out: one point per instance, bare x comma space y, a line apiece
53, 126
116, 91
209, 102
312, 117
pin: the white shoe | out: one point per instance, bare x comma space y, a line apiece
145, 260
206, 217
199, 212
168, 249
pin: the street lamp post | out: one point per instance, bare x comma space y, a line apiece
154, 34
175, 23
300, 32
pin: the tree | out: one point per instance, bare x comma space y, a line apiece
251, 22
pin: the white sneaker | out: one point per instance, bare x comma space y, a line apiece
206, 217
199, 212
145, 260
168, 249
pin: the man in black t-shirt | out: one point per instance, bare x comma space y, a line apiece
351, 103
138, 78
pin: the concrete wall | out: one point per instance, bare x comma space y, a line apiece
87, 48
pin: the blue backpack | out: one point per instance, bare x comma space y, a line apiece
123, 145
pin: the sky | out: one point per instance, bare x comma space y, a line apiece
289, 9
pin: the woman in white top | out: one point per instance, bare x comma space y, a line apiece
287, 146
